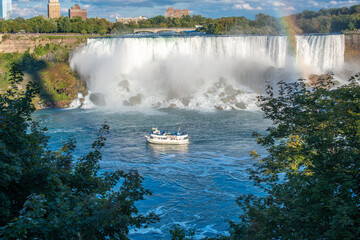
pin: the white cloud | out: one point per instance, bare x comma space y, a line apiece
316, 4
25, 11
244, 6
64, 10
291, 8
279, 4
349, 2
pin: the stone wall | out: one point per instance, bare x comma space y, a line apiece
352, 48
11, 43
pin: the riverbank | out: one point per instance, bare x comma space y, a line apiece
44, 59
20, 43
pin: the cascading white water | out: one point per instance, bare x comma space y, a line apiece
320, 53
197, 72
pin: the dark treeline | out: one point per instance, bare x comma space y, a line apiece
327, 20
263, 24
323, 21
40, 24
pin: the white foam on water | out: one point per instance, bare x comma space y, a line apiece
204, 232
82, 102
145, 231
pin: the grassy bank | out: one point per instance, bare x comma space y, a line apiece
48, 67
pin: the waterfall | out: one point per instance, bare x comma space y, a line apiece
198, 72
320, 53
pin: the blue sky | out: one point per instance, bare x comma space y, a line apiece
207, 8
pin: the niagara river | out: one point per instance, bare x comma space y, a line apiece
193, 186
206, 85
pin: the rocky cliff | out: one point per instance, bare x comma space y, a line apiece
43, 59
20, 43
352, 48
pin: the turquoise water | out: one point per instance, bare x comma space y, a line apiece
193, 186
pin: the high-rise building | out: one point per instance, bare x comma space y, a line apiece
77, 11
5, 9
54, 9
178, 13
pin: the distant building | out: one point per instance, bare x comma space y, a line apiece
5, 9
75, 11
178, 13
54, 9
130, 19
99, 18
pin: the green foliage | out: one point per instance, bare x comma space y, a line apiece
214, 28
48, 194
323, 21
6, 60
42, 50
177, 234
120, 28
64, 25
5, 36
59, 52
311, 173
329, 20
180, 234
262, 25
229, 25
3, 27
102, 32
48, 67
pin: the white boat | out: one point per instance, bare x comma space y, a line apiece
161, 137
168, 148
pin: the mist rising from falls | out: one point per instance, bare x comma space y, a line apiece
198, 72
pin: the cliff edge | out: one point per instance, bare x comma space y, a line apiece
352, 48
43, 59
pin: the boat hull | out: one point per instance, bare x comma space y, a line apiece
166, 141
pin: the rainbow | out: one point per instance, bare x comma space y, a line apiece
289, 25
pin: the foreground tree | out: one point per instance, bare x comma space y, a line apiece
312, 172
47, 194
